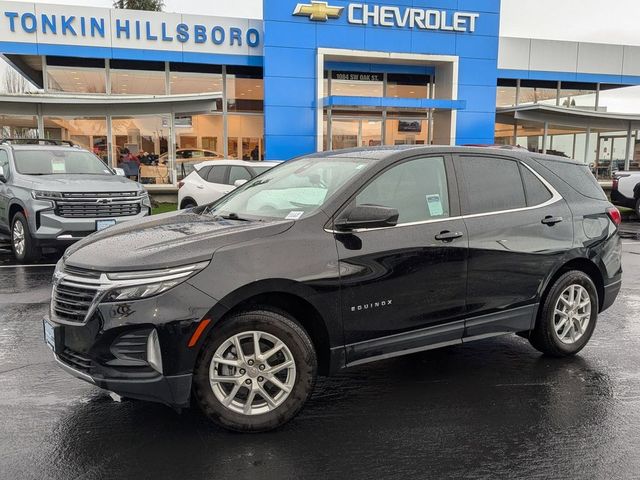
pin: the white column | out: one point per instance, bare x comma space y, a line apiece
630, 147
544, 137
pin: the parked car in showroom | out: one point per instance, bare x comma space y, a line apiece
53, 194
213, 179
334, 260
187, 158
625, 190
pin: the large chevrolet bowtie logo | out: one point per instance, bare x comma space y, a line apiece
318, 11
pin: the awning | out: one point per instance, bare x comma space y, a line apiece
568, 117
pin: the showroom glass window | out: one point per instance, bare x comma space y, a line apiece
198, 138
141, 146
75, 75
18, 126
416, 188
490, 184
130, 77
407, 86
578, 95
88, 132
185, 78
537, 91
245, 139
506, 93
245, 89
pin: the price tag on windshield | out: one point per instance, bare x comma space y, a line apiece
58, 166
294, 215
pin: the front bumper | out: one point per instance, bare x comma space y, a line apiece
111, 349
171, 390
51, 229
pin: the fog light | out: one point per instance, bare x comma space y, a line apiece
154, 355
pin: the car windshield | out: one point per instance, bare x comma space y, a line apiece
291, 190
52, 162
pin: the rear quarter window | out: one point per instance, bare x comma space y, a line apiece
577, 176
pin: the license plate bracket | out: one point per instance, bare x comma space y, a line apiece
102, 224
53, 336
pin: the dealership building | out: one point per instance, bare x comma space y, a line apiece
309, 76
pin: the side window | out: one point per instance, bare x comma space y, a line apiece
4, 161
536, 192
238, 173
217, 174
490, 184
416, 188
204, 172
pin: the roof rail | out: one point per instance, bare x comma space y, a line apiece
35, 141
498, 146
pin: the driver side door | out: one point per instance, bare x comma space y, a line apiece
403, 288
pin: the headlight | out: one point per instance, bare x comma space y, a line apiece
147, 283
44, 195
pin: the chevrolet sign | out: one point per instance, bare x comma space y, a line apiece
392, 16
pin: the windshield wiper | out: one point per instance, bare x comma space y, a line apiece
233, 216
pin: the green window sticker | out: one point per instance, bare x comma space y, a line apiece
434, 205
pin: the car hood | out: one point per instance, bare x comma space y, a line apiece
166, 240
82, 183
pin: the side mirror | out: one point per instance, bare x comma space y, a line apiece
239, 183
120, 172
367, 216
3, 179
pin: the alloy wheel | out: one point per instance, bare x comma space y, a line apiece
18, 238
252, 372
572, 314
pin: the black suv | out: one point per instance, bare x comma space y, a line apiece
334, 260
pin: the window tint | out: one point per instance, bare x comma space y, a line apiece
490, 184
238, 173
217, 174
536, 192
417, 189
578, 176
204, 172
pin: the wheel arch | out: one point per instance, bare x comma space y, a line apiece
290, 298
584, 265
15, 206
185, 200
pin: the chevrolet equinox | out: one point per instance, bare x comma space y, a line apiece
334, 260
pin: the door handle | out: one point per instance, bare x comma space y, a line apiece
551, 221
447, 236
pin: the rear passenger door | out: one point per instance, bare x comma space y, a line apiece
518, 227
4, 190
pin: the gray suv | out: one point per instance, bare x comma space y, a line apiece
53, 193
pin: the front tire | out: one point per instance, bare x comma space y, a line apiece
568, 316
637, 208
23, 245
255, 372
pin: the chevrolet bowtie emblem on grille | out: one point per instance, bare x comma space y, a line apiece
318, 11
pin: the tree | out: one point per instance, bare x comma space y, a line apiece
15, 82
148, 5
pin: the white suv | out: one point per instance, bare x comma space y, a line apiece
213, 179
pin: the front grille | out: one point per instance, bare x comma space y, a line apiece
76, 360
74, 294
98, 205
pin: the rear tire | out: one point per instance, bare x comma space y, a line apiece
23, 245
568, 316
188, 204
637, 208
232, 389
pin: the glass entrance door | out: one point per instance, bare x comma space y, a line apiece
355, 132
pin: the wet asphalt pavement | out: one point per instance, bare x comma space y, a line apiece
489, 409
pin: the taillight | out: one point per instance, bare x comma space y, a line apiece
180, 185
614, 215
